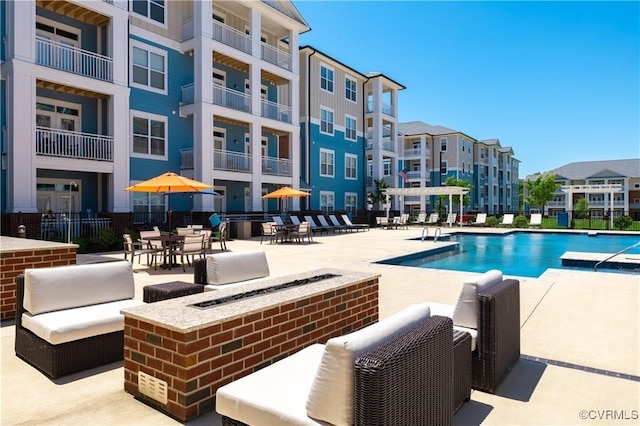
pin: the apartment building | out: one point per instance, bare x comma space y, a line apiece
609, 186
100, 95
431, 154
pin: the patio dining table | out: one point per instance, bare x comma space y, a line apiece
168, 242
286, 230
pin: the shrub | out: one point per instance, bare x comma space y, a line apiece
492, 221
622, 222
520, 222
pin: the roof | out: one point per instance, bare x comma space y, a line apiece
308, 47
286, 8
379, 74
588, 169
493, 141
420, 128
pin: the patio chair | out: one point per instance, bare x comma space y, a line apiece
404, 221
507, 220
185, 231
135, 248
434, 218
421, 219
536, 220
451, 219
157, 245
356, 226
192, 245
301, 232
269, 231
481, 220
221, 235
325, 224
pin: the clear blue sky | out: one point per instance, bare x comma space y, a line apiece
556, 81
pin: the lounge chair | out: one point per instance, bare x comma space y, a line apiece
403, 221
278, 220
536, 220
421, 219
451, 219
341, 226
295, 220
356, 226
314, 225
325, 224
481, 220
507, 220
434, 218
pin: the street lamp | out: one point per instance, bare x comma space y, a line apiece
72, 185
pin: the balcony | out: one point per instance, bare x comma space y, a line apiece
276, 166
417, 152
70, 59
387, 108
231, 98
386, 145
276, 111
231, 37
415, 175
275, 56
603, 203
63, 143
231, 161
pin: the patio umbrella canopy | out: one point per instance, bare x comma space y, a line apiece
169, 182
285, 192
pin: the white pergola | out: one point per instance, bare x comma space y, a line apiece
434, 190
595, 189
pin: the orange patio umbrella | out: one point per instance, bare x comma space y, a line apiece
169, 182
286, 192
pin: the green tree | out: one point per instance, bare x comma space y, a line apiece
452, 181
379, 196
542, 190
581, 208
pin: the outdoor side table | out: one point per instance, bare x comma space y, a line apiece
461, 368
170, 290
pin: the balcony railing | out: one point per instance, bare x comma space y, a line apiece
231, 37
416, 175
231, 98
231, 161
276, 111
387, 108
386, 145
63, 143
602, 203
276, 56
77, 61
276, 166
188, 94
417, 152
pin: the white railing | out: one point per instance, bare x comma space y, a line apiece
63, 143
186, 158
188, 94
602, 203
231, 98
387, 108
386, 145
232, 161
276, 111
86, 227
77, 61
276, 166
276, 56
231, 37
416, 152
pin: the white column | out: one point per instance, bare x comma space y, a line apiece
203, 19
203, 73
255, 135
294, 41
203, 154
118, 48
21, 168
120, 120
22, 46
256, 30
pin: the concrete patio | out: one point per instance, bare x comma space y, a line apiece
580, 342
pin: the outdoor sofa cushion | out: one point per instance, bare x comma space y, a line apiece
73, 286
331, 395
231, 267
465, 313
78, 323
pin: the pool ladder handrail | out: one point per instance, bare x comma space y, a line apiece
614, 255
436, 234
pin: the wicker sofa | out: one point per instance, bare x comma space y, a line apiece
488, 308
228, 268
68, 318
398, 371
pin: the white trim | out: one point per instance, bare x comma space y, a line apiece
333, 78
333, 121
348, 77
355, 130
155, 38
333, 164
355, 157
149, 116
148, 18
148, 48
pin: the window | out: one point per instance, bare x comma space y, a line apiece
443, 168
327, 163
350, 166
326, 121
351, 202
145, 203
386, 167
326, 78
151, 9
443, 144
149, 134
326, 201
481, 152
369, 168
350, 128
350, 89
148, 68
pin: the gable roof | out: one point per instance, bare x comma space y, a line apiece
586, 169
287, 8
420, 128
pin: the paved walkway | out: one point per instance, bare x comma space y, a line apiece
580, 342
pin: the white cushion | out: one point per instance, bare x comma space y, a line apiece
466, 310
274, 395
331, 396
472, 332
444, 310
64, 287
231, 267
78, 323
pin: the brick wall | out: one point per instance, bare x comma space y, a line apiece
196, 364
15, 262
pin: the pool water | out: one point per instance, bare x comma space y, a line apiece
520, 253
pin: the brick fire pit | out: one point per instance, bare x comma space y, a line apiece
178, 352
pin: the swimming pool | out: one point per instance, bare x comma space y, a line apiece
526, 254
